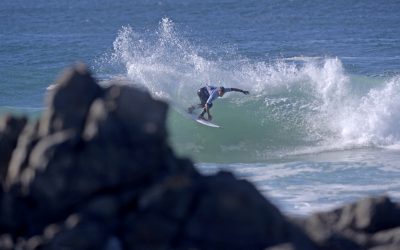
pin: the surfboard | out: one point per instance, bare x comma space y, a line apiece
207, 123
193, 116
202, 121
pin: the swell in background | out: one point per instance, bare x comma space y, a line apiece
297, 105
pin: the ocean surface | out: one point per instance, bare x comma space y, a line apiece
321, 126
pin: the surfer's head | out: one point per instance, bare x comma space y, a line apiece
221, 91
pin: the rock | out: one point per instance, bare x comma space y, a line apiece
385, 247
214, 212
68, 104
75, 233
361, 225
127, 113
69, 101
64, 169
13, 210
20, 157
10, 130
161, 212
232, 214
321, 229
387, 237
102, 207
6, 242
41, 190
371, 215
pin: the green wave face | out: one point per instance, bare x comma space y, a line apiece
251, 131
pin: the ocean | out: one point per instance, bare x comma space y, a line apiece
321, 126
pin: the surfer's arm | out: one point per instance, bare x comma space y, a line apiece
237, 90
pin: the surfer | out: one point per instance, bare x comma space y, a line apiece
207, 95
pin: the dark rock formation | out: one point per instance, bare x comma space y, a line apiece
70, 101
10, 129
366, 224
96, 172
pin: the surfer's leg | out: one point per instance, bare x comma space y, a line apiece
203, 96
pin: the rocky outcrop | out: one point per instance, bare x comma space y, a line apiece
10, 130
96, 172
372, 223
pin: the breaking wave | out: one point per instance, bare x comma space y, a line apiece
297, 105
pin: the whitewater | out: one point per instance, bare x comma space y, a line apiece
310, 135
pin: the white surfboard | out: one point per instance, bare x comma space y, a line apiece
207, 123
203, 121
193, 116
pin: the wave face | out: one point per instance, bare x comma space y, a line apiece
297, 105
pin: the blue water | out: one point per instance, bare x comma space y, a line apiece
321, 126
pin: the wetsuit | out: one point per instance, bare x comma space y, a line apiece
208, 94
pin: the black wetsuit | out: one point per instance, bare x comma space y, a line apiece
203, 95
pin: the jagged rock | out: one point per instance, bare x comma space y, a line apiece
370, 215
231, 213
20, 157
213, 212
387, 238
365, 224
320, 228
6, 242
69, 101
10, 129
122, 147
68, 104
127, 115
76, 233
